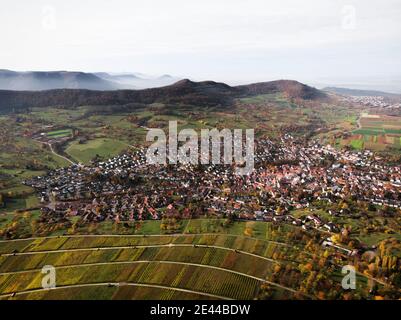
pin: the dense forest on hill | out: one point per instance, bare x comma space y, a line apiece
207, 93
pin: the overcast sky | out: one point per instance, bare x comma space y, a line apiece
234, 40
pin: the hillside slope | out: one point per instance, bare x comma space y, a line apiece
184, 92
290, 88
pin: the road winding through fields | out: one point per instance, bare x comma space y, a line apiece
55, 153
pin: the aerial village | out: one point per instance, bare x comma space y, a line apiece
288, 175
374, 102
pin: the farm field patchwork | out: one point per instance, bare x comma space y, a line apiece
376, 132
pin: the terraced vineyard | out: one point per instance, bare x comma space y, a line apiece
182, 266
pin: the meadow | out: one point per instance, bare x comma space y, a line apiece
59, 133
101, 147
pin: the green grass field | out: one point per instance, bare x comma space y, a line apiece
357, 144
368, 131
59, 133
102, 147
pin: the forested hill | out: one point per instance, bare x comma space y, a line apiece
206, 93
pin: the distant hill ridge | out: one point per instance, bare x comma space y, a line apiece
358, 92
205, 93
291, 88
49, 80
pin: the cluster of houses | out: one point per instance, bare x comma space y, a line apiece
289, 174
373, 102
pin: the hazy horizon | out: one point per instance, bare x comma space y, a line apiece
351, 43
